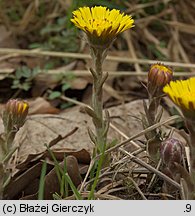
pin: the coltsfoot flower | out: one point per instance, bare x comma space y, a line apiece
101, 24
182, 93
159, 75
15, 114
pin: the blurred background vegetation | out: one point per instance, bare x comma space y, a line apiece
164, 31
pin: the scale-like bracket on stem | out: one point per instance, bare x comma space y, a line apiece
95, 77
92, 136
106, 123
102, 81
95, 118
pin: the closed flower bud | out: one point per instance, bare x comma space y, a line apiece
158, 76
14, 114
171, 151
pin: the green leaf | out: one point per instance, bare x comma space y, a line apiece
18, 73
35, 46
26, 72
53, 95
66, 105
65, 86
42, 181
49, 65
26, 86
16, 82
70, 76
67, 178
35, 71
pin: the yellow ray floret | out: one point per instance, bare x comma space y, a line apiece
22, 107
161, 67
182, 93
101, 22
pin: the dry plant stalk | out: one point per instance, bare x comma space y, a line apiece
182, 93
101, 27
158, 76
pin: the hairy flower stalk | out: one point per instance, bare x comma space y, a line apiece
158, 76
14, 116
99, 78
101, 27
182, 93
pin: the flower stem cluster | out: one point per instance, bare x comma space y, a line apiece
14, 116
158, 76
182, 93
101, 27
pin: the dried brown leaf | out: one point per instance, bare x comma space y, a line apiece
41, 106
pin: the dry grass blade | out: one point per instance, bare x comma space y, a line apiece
132, 50
152, 169
138, 189
7, 71
86, 56
154, 175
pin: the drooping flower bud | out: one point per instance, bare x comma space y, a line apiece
159, 75
14, 114
171, 151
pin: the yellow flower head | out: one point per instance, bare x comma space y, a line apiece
15, 114
17, 107
101, 24
182, 93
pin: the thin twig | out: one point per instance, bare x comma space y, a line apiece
7, 71
125, 136
122, 161
86, 56
137, 188
160, 195
154, 175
